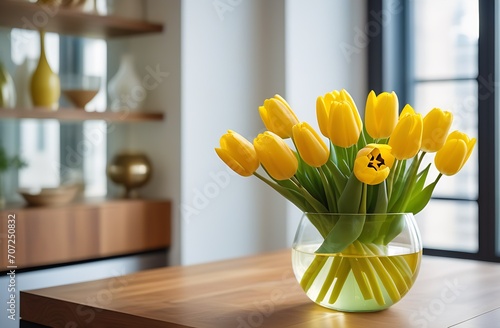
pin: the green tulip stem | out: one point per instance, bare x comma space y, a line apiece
330, 193
347, 157
362, 206
294, 196
412, 179
316, 204
438, 178
312, 272
363, 137
393, 174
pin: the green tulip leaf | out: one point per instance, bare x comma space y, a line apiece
344, 233
396, 226
420, 200
350, 199
421, 177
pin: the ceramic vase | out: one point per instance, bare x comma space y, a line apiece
130, 169
374, 272
7, 89
125, 89
45, 84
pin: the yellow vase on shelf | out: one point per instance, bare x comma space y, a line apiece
45, 84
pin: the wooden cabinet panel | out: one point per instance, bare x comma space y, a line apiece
82, 231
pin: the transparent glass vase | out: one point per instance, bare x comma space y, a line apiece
370, 274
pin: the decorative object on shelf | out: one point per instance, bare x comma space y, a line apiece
80, 89
7, 89
130, 169
357, 247
125, 87
45, 84
22, 81
6, 163
56, 196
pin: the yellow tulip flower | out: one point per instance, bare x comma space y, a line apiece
406, 110
373, 163
381, 114
238, 153
278, 117
311, 147
338, 118
406, 139
345, 124
275, 155
437, 123
454, 154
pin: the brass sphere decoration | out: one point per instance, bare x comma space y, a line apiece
130, 169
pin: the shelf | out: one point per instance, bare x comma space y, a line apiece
71, 114
18, 14
85, 230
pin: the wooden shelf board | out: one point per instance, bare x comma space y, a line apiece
17, 14
72, 114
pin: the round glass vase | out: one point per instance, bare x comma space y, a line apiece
370, 274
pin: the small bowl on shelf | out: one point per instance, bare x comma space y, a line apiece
80, 89
55, 196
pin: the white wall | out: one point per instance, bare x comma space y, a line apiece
323, 53
231, 62
226, 74
223, 62
161, 141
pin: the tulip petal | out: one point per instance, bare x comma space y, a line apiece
322, 112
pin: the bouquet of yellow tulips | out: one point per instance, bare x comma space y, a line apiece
370, 168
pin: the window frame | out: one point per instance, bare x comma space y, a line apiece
394, 37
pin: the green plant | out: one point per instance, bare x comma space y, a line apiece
7, 162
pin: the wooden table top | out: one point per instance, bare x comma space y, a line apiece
260, 291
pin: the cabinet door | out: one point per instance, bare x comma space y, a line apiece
76, 232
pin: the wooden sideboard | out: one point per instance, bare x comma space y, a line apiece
261, 291
85, 230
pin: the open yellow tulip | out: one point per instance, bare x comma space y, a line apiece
278, 117
381, 114
373, 163
275, 155
311, 147
457, 149
238, 153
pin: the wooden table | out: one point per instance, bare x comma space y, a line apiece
261, 291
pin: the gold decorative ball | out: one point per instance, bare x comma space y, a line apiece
130, 169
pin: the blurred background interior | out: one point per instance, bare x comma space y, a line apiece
193, 68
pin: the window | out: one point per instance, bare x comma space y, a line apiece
439, 53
